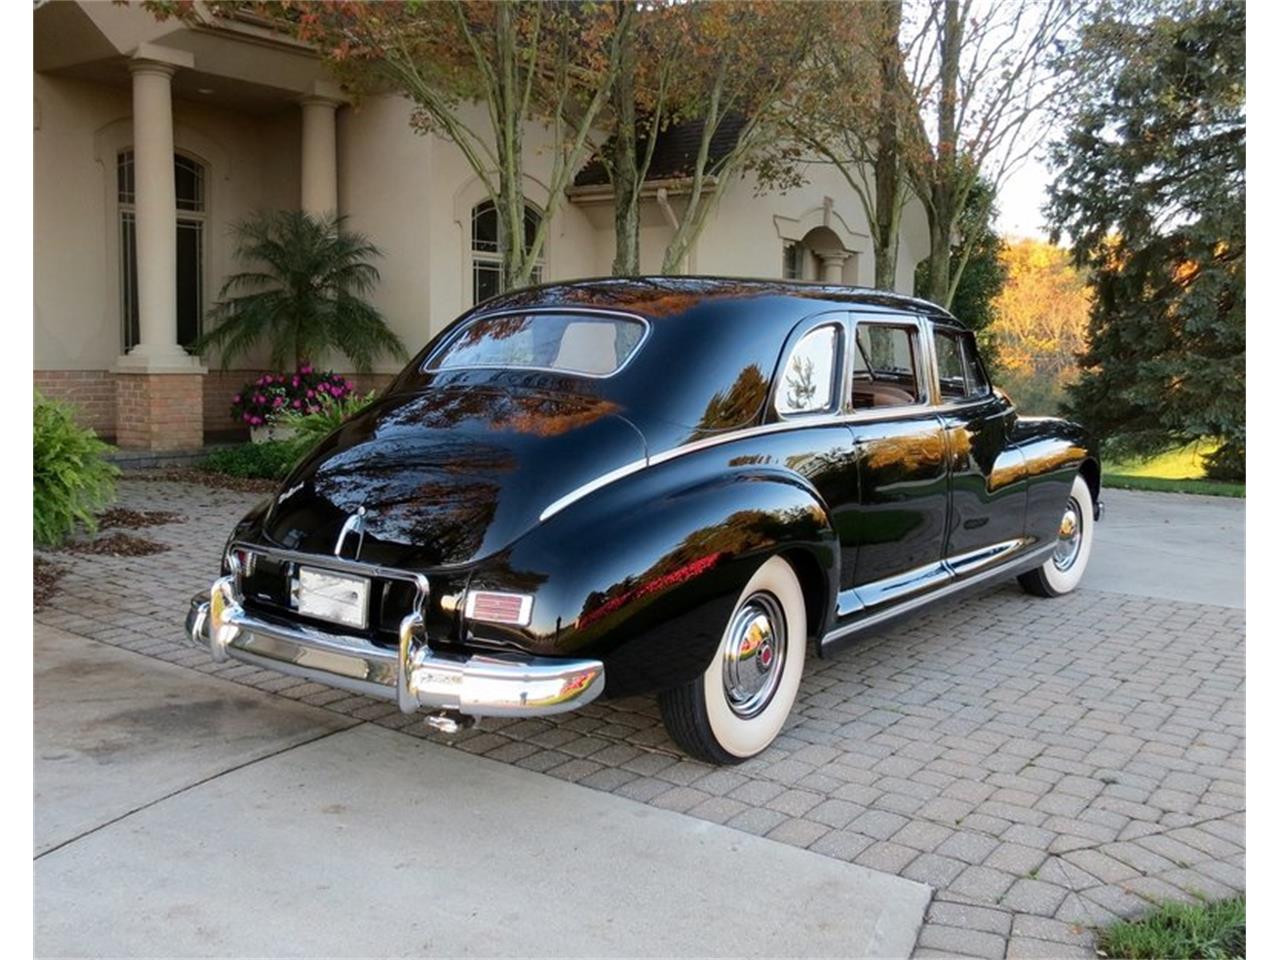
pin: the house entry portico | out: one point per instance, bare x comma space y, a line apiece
169, 208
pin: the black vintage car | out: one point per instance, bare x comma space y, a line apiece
655, 485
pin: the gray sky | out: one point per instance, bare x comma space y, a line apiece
1020, 200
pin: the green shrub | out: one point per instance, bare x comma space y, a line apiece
1206, 931
70, 479
264, 461
310, 428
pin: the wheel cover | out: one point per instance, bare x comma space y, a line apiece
754, 655
1070, 536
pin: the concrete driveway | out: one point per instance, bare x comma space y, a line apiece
1170, 545
1045, 766
180, 815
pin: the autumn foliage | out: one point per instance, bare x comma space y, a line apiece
1041, 319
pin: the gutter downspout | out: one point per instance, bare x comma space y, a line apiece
664, 204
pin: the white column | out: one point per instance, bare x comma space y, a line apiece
156, 218
832, 265
319, 155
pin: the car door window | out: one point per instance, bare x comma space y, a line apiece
886, 368
807, 383
979, 385
960, 374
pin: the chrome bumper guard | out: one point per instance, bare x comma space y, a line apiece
412, 676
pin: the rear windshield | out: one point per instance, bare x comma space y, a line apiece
586, 344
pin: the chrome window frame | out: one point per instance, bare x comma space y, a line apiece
964, 336
927, 382
839, 374
425, 366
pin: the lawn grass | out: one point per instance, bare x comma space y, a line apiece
1207, 488
1176, 471
1179, 931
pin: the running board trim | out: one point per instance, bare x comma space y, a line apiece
838, 637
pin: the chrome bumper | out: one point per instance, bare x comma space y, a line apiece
412, 676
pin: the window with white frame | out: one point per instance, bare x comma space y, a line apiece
488, 245
189, 190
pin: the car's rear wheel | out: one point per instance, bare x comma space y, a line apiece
1062, 572
737, 706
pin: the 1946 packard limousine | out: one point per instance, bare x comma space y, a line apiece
662, 485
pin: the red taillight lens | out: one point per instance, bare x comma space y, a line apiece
246, 559
492, 607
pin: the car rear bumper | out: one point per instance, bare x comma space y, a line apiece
413, 676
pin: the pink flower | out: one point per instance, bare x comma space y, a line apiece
323, 387
297, 404
259, 398
296, 381
236, 398
310, 394
278, 401
305, 368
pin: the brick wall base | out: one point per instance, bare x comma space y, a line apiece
91, 392
159, 411
99, 395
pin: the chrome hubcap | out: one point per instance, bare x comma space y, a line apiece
754, 655
1070, 535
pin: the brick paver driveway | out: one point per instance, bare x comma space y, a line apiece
1046, 766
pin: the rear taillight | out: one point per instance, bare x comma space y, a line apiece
246, 560
492, 607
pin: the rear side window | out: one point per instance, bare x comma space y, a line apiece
586, 344
808, 377
960, 373
886, 366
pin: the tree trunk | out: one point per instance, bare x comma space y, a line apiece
626, 174
942, 208
939, 261
510, 203
887, 167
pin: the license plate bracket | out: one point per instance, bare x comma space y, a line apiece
336, 597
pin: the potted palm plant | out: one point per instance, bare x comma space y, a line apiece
305, 295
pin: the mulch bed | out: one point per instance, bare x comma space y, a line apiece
219, 481
136, 519
118, 545
47, 574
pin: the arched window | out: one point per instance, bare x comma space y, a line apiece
189, 184
487, 246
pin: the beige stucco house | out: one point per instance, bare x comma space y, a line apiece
152, 139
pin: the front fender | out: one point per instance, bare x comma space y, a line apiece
1054, 451
645, 572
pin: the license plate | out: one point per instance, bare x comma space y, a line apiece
332, 596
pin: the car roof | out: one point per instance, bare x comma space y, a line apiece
659, 297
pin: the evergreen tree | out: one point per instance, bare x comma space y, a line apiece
1151, 193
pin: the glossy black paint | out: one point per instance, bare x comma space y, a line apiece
454, 470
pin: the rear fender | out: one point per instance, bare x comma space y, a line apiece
644, 572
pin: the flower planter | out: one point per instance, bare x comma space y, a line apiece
270, 432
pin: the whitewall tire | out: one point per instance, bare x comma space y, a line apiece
736, 708
1062, 572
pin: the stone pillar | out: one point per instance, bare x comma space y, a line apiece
319, 155
159, 386
832, 265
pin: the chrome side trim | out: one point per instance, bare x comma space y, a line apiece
730, 436
963, 564
577, 493
955, 585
